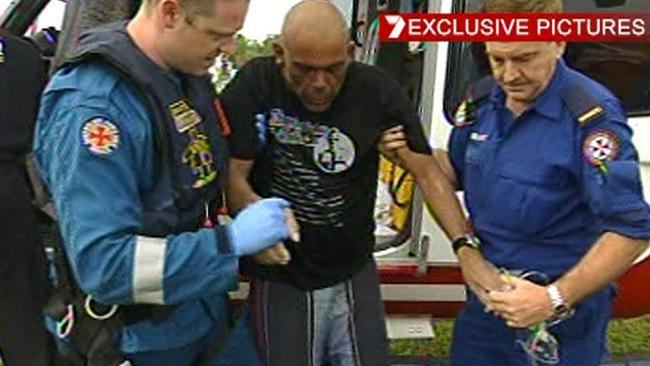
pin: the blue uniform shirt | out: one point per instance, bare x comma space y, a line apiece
542, 187
94, 146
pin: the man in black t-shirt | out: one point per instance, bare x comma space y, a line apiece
23, 281
306, 124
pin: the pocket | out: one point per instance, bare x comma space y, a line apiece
527, 198
481, 153
540, 176
479, 156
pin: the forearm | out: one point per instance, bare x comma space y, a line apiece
442, 158
479, 272
239, 192
437, 191
239, 195
443, 205
611, 256
128, 268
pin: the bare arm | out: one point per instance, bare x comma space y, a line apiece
394, 139
239, 193
610, 257
437, 191
529, 303
437, 179
442, 158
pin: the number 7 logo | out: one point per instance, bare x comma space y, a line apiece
398, 24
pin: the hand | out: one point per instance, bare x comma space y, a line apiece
260, 225
278, 254
273, 256
392, 140
480, 275
524, 305
292, 224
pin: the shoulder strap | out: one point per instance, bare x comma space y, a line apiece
465, 112
583, 106
481, 89
42, 199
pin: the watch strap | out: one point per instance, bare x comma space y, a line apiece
465, 241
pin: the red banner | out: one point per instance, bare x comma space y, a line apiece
608, 27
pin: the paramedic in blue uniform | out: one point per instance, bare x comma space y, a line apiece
130, 146
551, 181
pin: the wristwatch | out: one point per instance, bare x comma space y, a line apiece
465, 241
560, 309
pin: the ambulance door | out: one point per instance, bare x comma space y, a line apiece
397, 238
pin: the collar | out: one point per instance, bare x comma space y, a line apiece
549, 103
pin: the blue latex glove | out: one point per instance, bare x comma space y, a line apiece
259, 226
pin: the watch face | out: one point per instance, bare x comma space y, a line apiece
562, 312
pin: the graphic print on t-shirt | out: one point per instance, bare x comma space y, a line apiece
307, 158
334, 152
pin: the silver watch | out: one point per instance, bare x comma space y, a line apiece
560, 309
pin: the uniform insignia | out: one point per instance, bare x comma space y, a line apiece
224, 123
100, 136
584, 107
2, 51
590, 115
480, 137
184, 116
198, 156
465, 114
334, 152
600, 147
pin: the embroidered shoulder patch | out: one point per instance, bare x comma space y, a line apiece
600, 146
100, 136
465, 114
2, 51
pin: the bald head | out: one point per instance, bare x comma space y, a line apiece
317, 22
314, 52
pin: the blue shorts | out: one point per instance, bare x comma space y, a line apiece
482, 338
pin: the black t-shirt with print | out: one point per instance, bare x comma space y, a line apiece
325, 164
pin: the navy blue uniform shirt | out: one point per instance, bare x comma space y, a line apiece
542, 187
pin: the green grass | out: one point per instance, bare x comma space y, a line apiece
627, 339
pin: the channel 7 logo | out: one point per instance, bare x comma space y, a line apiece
398, 24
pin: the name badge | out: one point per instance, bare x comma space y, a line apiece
481, 137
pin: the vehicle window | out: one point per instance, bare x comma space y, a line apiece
623, 67
50, 17
4, 5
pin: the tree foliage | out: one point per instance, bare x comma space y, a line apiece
250, 48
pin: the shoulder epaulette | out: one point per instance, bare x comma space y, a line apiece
465, 112
481, 89
583, 106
